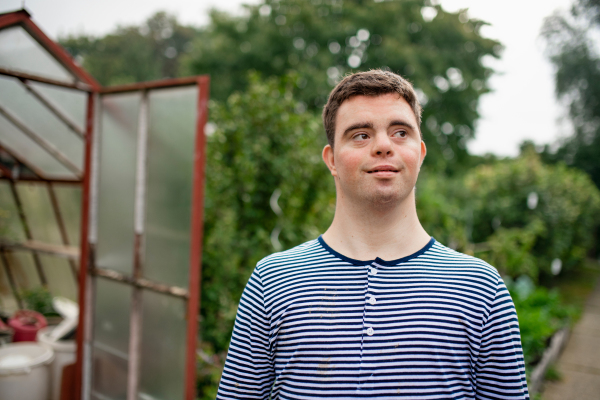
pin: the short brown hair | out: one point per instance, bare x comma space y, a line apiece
369, 83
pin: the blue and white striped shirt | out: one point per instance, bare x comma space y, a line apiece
315, 324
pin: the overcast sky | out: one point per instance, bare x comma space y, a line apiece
522, 105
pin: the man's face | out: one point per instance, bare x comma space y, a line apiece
377, 151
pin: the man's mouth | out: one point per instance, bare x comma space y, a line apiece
383, 169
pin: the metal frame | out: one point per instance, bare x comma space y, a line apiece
88, 179
136, 280
23, 18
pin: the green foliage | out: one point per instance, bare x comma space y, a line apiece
529, 214
40, 300
134, 54
440, 208
541, 313
262, 146
210, 367
319, 40
572, 48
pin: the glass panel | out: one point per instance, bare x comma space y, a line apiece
111, 315
39, 213
71, 102
69, 203
116, 190
37, 117
162, 361
19, 51
172, 117
21, 146
23, 269
111, 338
61, 281
109, 377
8, 303
10, 223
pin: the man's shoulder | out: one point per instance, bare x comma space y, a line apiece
438, 253
310, 250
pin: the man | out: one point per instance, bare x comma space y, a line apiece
374, 308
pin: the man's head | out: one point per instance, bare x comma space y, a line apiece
370, 83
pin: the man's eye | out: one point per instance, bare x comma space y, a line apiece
361, 136
400, 134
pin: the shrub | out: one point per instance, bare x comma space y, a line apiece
529, 214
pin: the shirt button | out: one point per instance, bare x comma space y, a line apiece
370, 331
373, 271
372, 300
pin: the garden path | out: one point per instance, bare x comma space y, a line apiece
579, 363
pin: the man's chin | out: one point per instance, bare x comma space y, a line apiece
386, 199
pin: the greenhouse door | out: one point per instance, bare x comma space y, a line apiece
141, 264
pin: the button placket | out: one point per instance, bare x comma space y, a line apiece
372, 271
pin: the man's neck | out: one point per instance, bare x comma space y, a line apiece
367, 232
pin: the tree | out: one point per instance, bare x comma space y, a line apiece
267, 189
134, 54
321, 41
572, 48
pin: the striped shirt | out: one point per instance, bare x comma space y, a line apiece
315, 324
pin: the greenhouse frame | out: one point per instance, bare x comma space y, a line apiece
101, 201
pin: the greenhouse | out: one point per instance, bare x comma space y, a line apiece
101, 201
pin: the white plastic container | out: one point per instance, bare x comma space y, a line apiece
64, 354
24, 371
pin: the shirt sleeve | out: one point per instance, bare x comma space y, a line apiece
500, 365
248, 372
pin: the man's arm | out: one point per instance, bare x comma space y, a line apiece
248, 372
500, 371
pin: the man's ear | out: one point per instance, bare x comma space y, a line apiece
423, 153
329, 160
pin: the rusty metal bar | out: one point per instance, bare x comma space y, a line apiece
85, 295
142, 283
195, 270
135, 318
25, 224
54, 109
59, 53
68, 252
162, 83
11, 279
43, 143
38, 180
22, 75
61, 226
23, 160
23, 18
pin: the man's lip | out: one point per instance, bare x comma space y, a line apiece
382, 168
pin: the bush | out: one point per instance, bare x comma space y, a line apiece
541, 313
529, 214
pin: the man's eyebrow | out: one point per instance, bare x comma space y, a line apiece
402, 123
358, 125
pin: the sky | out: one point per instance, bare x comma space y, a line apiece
521, 106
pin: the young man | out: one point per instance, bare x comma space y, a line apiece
374, 308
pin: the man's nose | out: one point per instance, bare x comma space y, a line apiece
382, 144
